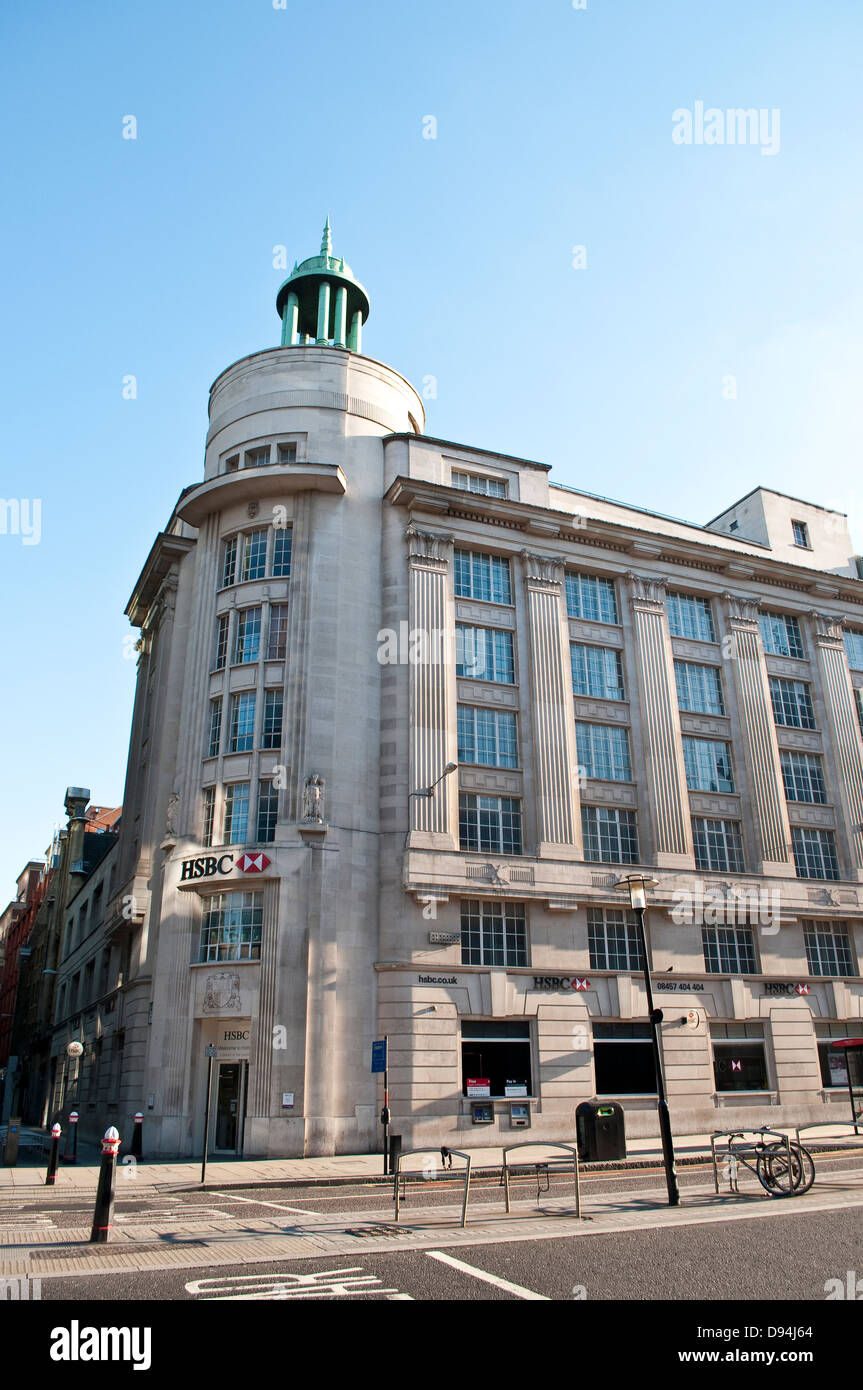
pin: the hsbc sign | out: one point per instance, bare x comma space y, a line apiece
577, 982
208, 865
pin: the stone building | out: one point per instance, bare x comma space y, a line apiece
407, 710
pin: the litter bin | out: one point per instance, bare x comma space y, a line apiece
600, 1131
395, 1150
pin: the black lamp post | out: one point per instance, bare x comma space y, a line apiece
636, 886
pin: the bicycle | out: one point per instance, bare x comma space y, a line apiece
784, 1168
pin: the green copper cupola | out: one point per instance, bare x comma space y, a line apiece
322, 303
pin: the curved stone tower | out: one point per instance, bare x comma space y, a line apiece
257, 722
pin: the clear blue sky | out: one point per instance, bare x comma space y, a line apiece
154, 257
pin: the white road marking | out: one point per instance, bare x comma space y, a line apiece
253, 1201
487, 1278
330, 1283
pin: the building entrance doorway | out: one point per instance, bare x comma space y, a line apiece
230, 1107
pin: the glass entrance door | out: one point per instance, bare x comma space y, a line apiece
230, 1107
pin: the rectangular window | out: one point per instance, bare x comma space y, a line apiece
236, 813
739, 1060
828, 949
257, 458
282, 552
690, 616
623, 1059
268, 811
833, 1060
484, 654
472, 482
792, 703
493, 933
603, 751
231, 927
596, 671
699, 688
803, 777
254, 555
272, 736
591, 597
229, 562
780, 635
221, 646
498, 1054
800, 532
729, 950
708, 765
209, 813
854, 649
248, 644
278, 634
718, 845
489, 823
487, 736
613, 939
858, 699
232, 464
814, 853
286, 453
214, 740
241, 736
610, 836
483, 577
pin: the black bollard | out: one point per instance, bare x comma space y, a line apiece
138, 1136
70, 1153
55, 1153
104, 1211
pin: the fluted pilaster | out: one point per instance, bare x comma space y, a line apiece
770, 811
431, 672
555, 757
664, 770
844, 728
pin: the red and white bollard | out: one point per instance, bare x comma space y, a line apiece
70, 1153
138, 1136
104, 1211
55, 1153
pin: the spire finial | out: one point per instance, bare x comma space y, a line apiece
327, 239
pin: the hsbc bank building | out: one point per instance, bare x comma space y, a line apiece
407, 711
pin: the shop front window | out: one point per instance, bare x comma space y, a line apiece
739, 1057
495, 1060
623, 1059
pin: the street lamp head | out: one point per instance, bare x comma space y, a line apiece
636, 885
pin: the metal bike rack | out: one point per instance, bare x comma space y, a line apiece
747, 1149
540, 1166
421, 1173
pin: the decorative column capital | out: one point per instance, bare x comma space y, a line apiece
427, 549
742, 610
828, 627
542, 571
647, 591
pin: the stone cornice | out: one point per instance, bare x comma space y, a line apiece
165, 552
580, 533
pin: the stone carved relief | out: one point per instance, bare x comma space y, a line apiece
427, 547
645, 588
222, 993
828, 626
542, 569
740, 609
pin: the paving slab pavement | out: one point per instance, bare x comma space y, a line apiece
193, 1241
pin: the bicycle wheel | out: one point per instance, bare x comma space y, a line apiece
780, 1178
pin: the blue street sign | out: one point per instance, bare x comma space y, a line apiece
379, 1056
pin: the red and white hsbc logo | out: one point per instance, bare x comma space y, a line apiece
208, 865
578, 982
